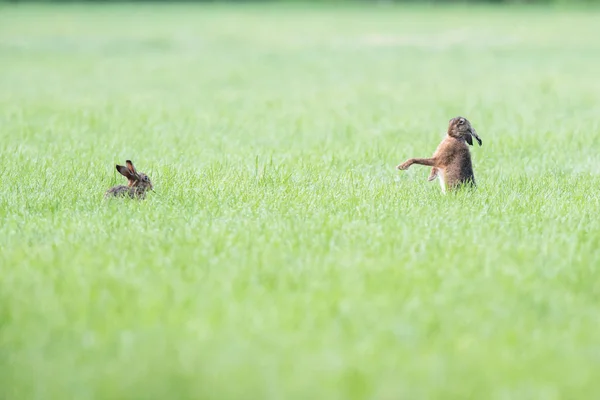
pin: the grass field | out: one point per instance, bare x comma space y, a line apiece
282, 255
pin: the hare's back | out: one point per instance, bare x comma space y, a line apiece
116, 191
460, 170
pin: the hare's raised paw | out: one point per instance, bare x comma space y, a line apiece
403, 166
433, 174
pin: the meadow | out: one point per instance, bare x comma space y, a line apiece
282, 255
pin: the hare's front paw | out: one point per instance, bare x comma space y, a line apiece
403, 166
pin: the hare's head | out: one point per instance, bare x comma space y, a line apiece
138, 180
460, 127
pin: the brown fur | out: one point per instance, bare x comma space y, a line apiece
452, 157
139, 183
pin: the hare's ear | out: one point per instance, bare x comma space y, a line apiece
130, 167
124, 171
476, 136
469, 140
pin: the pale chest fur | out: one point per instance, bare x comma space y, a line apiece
441, 174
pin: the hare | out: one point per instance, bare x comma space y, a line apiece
451, 162
139, 183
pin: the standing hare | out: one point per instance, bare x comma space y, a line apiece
451, 162
139, 183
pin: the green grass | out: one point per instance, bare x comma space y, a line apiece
282, 255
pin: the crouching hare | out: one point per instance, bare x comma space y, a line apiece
451, 162
139, 183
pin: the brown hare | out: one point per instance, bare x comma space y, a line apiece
139, 183
451, 162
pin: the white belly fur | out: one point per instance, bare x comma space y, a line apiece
442, 178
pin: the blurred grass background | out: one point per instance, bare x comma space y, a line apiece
282, 256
